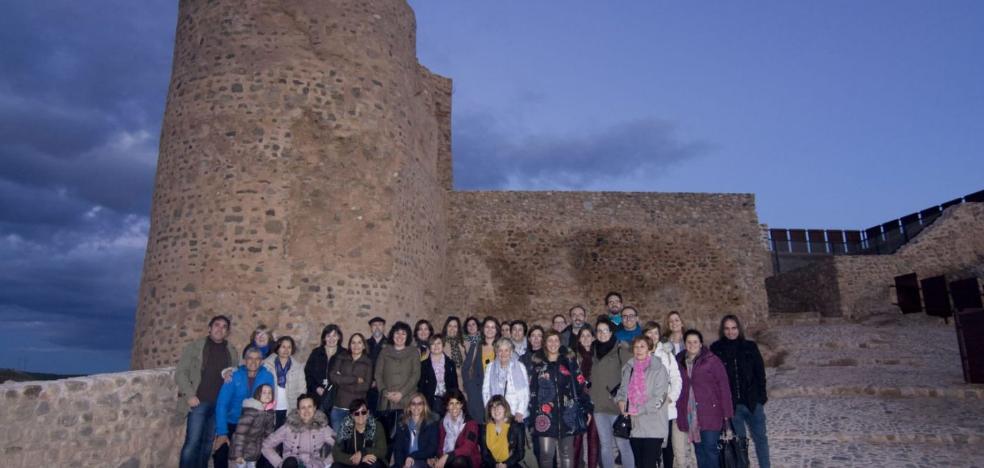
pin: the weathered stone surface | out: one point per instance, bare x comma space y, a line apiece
304, 178
64, 434
858, 285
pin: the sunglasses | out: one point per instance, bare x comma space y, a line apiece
361, 413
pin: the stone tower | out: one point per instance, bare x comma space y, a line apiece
304, 178
303, 174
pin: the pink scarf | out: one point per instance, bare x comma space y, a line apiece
637, 384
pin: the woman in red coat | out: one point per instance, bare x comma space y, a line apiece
457, 436
704, 407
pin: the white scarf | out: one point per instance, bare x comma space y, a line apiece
452, 429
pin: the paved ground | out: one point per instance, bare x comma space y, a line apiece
885, 393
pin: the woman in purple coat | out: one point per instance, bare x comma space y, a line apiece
704, 407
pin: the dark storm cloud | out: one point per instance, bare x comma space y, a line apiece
487, 158
81, 96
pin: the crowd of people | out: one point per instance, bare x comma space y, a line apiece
477, 394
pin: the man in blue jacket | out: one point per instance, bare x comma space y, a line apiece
229, 406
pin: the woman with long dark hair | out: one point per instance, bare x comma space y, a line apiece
559, 404
319, 363
457, 436
454, 341
438, 375
422, 332
705, 405
478, 358
582, 344
472, 332
351, 373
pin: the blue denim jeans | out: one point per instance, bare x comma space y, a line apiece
707, 449
336, 417
199, 433
755, 422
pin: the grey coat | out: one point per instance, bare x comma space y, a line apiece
650, 422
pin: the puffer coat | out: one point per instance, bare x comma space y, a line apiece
255, 424
310, 443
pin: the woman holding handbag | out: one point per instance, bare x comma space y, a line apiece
559, 405
704, 407
607, 360
642, 397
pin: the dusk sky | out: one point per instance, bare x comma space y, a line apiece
835, 114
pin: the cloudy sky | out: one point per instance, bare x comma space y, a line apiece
835, 114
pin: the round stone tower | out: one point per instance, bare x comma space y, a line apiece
303, 174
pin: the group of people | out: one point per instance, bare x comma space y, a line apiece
480, 393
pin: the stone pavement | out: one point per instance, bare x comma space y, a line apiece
887, 392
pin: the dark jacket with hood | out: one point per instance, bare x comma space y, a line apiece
557, 395
746, 370
255, 424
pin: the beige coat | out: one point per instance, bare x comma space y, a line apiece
296, 385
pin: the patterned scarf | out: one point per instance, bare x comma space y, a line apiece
500, 378
637, 385
693, 431
452, 429
282, 372
454, 342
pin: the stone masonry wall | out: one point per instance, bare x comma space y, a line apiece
534, 254
858, 285
110, 420
953, 245
812, 288
302, 176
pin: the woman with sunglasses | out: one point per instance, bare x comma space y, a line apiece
361, 439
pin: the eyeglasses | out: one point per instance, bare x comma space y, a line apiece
360, 412
416, 403
629, 315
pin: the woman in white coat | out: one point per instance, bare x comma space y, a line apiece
506, 376
677, 452
288, 373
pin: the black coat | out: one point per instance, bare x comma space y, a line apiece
427, 444
316, 370
428, 381
746, 371
517, 446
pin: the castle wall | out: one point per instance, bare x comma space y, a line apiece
858, 285
299, 180
109, 420
531, 255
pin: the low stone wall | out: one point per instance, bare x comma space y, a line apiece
126, 419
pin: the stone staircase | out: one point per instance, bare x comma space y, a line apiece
886, 392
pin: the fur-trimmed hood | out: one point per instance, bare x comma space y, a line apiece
317, 422
252, 403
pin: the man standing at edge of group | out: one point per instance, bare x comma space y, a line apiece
199, 379
613, 305
629, 329
746, 374
578, 314
377, 338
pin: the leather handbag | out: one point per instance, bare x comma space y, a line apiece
622, 427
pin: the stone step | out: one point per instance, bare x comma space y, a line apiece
877, 420
886, 381
806, 453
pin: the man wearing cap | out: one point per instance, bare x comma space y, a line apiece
377, 338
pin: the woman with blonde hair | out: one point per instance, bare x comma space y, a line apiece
673, 331
415, 437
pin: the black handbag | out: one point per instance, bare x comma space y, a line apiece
622, 427
732, 451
